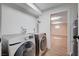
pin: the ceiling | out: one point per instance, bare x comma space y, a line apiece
46, 6
34, 9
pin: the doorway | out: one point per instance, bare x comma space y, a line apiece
59, 33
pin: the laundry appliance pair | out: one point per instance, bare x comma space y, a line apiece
24, 44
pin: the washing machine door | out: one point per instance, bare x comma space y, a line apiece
26, 49
43, 43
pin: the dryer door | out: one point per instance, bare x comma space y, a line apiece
26, 49
43, 43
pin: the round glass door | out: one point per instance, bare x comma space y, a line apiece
43, 43
26, 49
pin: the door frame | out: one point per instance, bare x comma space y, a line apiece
68, 27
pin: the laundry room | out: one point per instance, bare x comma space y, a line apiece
25, 29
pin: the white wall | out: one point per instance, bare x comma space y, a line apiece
44, 26
0, 29
13, 19
45, 21
0, 20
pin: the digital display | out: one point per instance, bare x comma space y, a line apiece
30, 37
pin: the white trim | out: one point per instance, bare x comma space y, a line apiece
68, 33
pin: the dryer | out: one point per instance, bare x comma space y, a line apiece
42, 44
21, 45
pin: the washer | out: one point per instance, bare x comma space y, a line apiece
21, 45
42, 44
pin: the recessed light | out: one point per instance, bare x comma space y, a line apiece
57, 26
57, 38
55, 18
56, 22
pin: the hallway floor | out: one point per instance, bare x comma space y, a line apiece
53, 52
